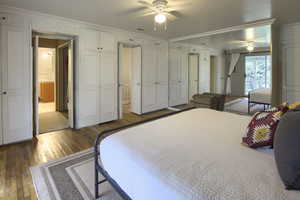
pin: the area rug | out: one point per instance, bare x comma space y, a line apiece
240, 106
71, 177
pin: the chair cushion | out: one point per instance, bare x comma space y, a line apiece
287, 148
260, 131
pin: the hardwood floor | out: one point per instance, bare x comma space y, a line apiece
16, 159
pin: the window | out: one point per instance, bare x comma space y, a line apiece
258, 72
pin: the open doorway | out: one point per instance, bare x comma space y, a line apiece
53, 83
130, 79
193, 75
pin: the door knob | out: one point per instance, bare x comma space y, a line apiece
4, 93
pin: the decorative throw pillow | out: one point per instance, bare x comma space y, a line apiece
294, 105
260, 131
287, 148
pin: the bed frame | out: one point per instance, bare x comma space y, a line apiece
255, 102
102, 171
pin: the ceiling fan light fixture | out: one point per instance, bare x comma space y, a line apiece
160, 18
250, 48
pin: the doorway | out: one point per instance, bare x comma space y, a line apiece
193, 75
130, 79
52, 83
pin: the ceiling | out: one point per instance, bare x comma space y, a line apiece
197, 15
258, 37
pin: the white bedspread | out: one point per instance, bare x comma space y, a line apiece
261, 95
195, 155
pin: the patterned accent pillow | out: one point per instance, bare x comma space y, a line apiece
260, 131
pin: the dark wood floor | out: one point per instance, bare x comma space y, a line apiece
16, 159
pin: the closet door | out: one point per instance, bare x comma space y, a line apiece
88, 76
71, 84
136, 86
108, 78
1, 87
16, 98
193, 75
183, 78
178, 77
162, 94
149, 78
174, 70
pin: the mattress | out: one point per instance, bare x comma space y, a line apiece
261, 96
194, 155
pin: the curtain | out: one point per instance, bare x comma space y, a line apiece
233, 62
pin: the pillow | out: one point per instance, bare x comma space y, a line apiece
287, 148
294, 105
260, 131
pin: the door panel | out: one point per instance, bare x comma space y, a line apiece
108, 69
108, 42
90, 40
108, 101
88, 112
108, 80
162, 64
178, 77
16, 103
70, 85
136, 75
148, 78
89, 79
149, 98
193, 75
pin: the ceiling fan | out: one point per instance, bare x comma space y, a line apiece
250, 44
162, 11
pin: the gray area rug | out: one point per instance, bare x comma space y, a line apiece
240, 106
69, 178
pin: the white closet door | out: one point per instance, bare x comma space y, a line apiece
1, 86
174, 71
70, 85
120, 75
204, 72
88, 76
148, 78
162, 86
183, 78
193, 75
178, 77
17, 116
108, 78
136, 75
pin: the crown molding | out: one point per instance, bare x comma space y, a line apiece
26, 12
226, 30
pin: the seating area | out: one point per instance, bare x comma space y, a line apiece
209, 100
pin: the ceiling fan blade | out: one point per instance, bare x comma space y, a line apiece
133, 11
151, 12
176, 14
171, 17
145, 3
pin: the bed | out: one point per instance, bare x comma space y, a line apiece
192, 155
259, 96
